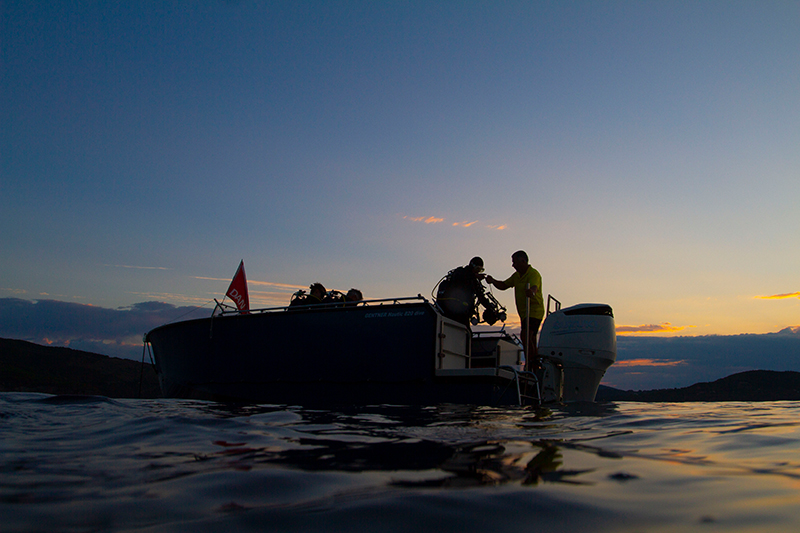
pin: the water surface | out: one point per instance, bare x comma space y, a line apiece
92, 464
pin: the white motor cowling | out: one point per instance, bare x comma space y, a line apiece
581, 339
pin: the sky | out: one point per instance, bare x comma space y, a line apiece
645, 154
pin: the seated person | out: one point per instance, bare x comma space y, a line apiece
353, 295
316, 295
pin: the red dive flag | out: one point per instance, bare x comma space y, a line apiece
238, 289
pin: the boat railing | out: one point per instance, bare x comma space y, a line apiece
225, 310
557, 304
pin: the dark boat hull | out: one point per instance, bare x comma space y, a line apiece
398, 353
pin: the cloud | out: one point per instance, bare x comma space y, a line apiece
174, 297
427, 220
278, 297
134, 266
645, 363
286, 286
87, 327
269, 298
649, 363
651, 328
13, 291
465, 224
780, 296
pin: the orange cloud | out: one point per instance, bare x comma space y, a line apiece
464, 224
780, 296
650, 328
254, 282
269, 299
172, 297
650, 362
427, 220
277, 285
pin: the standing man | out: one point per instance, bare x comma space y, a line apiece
527, 283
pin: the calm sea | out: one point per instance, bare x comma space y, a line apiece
92, 464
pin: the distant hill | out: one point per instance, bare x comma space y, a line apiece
28, 367
751, 386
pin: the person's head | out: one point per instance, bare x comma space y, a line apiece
353, 295
476, 264
317, 290
519, 260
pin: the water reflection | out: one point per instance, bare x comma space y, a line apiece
145, 465
427, 447
497, 463
482, 463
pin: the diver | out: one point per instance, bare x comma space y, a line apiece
316, 295
460, 292
353, 296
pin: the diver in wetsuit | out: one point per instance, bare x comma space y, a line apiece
460, 292
316, 295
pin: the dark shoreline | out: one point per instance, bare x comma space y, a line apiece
750, 386
29, 367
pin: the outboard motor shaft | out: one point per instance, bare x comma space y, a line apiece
582, 339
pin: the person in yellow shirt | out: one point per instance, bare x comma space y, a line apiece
527, 283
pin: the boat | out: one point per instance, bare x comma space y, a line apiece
384, 351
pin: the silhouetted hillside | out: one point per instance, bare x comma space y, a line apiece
28, 367
751, 386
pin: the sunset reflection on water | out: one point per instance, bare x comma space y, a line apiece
76, 462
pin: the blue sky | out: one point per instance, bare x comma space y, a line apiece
645, 154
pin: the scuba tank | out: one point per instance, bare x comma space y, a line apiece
455, 298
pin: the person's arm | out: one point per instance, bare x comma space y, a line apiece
497, 283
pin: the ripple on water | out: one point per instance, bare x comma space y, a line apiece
95, 464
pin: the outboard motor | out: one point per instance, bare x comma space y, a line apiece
582, 340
